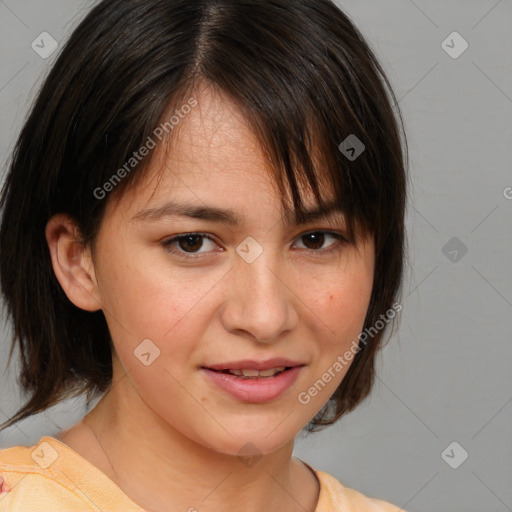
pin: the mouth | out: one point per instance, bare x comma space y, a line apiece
254, 369
254, 381
247, 373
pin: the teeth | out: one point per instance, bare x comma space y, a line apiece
250, 373
270, 372
256, 373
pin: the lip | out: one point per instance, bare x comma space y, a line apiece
257, 389
251, 364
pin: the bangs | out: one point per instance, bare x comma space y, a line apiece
302, 97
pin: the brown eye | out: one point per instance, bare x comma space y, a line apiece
316, 239
188, 243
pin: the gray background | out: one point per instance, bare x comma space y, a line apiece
446, 375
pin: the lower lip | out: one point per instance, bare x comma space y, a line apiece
254, 390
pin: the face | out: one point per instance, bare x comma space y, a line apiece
260, 293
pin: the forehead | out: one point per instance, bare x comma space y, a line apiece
214, 151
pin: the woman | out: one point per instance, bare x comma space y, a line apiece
203, 216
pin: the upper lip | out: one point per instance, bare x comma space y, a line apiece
250, 364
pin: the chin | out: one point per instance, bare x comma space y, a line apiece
251, 443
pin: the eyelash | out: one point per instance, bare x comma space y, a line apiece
341, 240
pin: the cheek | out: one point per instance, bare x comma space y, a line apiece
152, 299
343, 305
339, 310
157, 317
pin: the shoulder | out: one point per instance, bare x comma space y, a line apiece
25, 484
49, 477
334, 496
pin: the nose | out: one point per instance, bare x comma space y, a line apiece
261, 303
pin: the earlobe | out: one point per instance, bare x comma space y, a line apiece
72, 262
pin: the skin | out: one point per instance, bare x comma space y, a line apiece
296, 300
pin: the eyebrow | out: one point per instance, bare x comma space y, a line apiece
229, 217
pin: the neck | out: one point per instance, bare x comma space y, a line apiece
186, 475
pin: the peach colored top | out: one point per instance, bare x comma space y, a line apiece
51, 477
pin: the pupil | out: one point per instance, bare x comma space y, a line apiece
319, 239
185, 245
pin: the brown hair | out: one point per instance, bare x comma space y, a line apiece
302, 75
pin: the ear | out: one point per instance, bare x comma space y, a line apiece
72, 262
